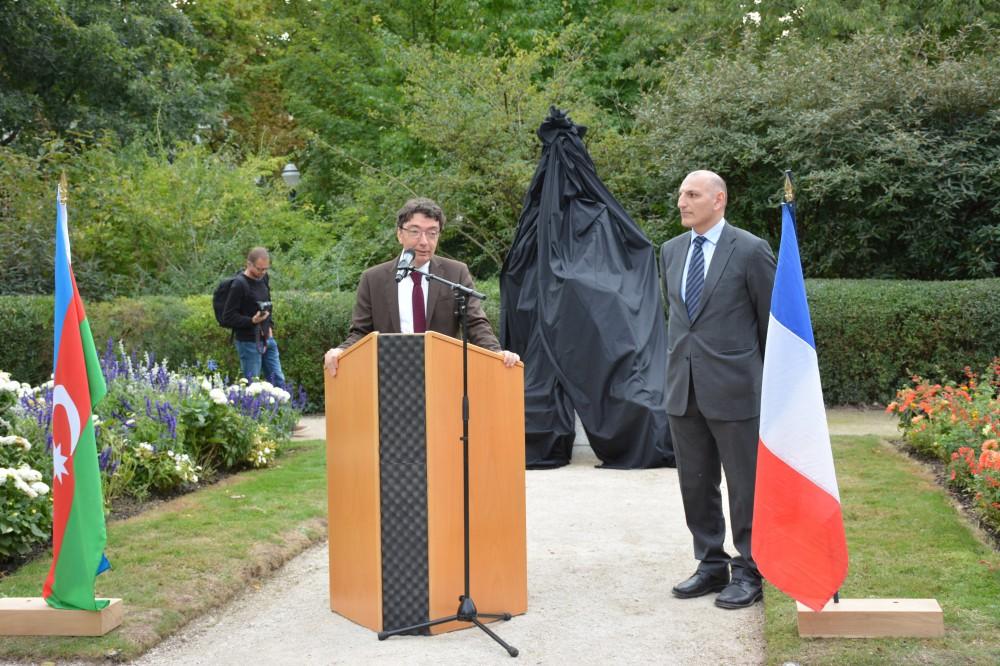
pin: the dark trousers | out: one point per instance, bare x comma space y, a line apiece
704, 448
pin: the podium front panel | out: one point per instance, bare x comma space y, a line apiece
403, 474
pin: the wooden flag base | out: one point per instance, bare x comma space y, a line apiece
31, 616
870, 618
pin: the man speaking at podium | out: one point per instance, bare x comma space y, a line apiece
390, 301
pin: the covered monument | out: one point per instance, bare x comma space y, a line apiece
580, 302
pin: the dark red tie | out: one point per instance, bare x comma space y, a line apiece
419, 316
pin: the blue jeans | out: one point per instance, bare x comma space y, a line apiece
252, 361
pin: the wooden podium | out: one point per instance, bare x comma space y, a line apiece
394, 482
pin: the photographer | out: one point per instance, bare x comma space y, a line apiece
248, 313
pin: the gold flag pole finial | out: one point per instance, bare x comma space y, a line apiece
63, 188
789, 189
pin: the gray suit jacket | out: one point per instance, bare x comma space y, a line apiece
377, 305
720, 350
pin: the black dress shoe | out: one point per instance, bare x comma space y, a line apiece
700, 584
740, 594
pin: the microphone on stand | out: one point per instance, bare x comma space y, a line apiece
405, 262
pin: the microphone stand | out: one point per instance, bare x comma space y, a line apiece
466, 607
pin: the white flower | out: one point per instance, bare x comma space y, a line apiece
787, 18
29, 475
206, 385
752, 17
218, 396
16, 440
986, 429
785, 33
25, 479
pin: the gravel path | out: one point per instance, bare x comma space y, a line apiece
604, 549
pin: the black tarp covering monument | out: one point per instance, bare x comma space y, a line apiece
580, 302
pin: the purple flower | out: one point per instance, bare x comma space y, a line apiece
104, 458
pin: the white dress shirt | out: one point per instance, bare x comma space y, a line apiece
707, 249
404, 290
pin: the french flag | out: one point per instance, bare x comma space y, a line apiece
798, 537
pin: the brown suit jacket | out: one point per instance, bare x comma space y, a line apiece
377, 305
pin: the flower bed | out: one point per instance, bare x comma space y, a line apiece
159, 432
958, 424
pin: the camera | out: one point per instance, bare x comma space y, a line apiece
263, 306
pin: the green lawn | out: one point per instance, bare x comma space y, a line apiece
905, 540
184, 557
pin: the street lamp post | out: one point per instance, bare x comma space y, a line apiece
290, 174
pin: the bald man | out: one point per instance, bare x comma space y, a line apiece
717, 280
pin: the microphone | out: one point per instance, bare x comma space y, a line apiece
405, 263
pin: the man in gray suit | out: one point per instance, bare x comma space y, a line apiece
717, 281
416, 304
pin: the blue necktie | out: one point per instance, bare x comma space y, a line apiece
696, 277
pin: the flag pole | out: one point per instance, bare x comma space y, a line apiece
790, 200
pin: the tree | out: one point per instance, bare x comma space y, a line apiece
89, 66
895, 142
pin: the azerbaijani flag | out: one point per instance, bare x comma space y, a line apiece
798, 537
78, 533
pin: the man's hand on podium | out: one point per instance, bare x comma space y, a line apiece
509, 358
330, 360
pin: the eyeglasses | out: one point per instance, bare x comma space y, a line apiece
413, 233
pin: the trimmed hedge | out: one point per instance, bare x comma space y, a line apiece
872, 335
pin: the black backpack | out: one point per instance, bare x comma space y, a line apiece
221, 295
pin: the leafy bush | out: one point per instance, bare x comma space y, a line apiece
895, 142
158, 432
873, 335
161, 429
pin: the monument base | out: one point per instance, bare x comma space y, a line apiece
870, 618
31, 616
